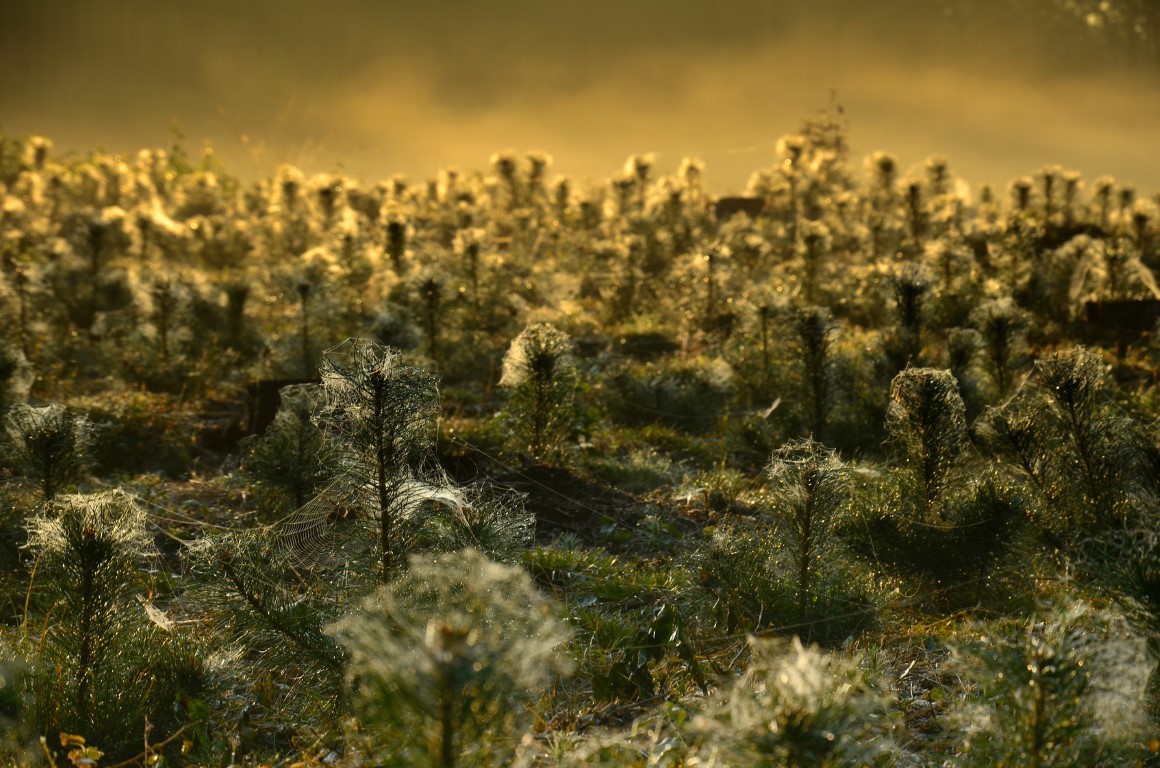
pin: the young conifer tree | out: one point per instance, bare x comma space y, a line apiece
447, 660
1064, 689
795, 706
381, 413
540, 375
101, 667
1090, 465
939, 512
294, 455
50, 444
1002, 326
926, 421
815, 330
810, 486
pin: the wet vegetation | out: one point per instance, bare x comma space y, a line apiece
502, 469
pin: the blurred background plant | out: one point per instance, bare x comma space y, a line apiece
1066, 687
542, 381
448, 662
51, 445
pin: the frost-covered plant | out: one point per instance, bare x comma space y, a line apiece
1064, 689
963, 346
485, 519
1106, 269
541, 379
251, 598
816, 242
883, 214
430, 292
50, 444
750, 573
795, 706
446, 661
936, 512
690, 397
910, 285
468, 245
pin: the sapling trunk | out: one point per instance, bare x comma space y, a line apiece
472, 253
85, 660
914, 214
814, 330
163, 305
396, 243
236, 295
432, 297
304, 330
813, 257
710, 285
21, 281
448, 700
792, 229
382, 455
806, 553
763, 313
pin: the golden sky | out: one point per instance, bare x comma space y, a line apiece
376, 87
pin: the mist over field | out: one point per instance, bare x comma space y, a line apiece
376, 88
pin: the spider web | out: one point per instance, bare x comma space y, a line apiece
341, 523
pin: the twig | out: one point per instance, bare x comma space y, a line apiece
153, 748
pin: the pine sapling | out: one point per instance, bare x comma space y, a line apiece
1001, 325
927, 425
447, 659
51, 444
382, 413
104, 667
540, 375
293, 454
810, 486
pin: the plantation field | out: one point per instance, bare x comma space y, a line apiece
497, 468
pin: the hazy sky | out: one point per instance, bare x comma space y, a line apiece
375, 87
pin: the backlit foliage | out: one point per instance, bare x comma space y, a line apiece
627, 428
